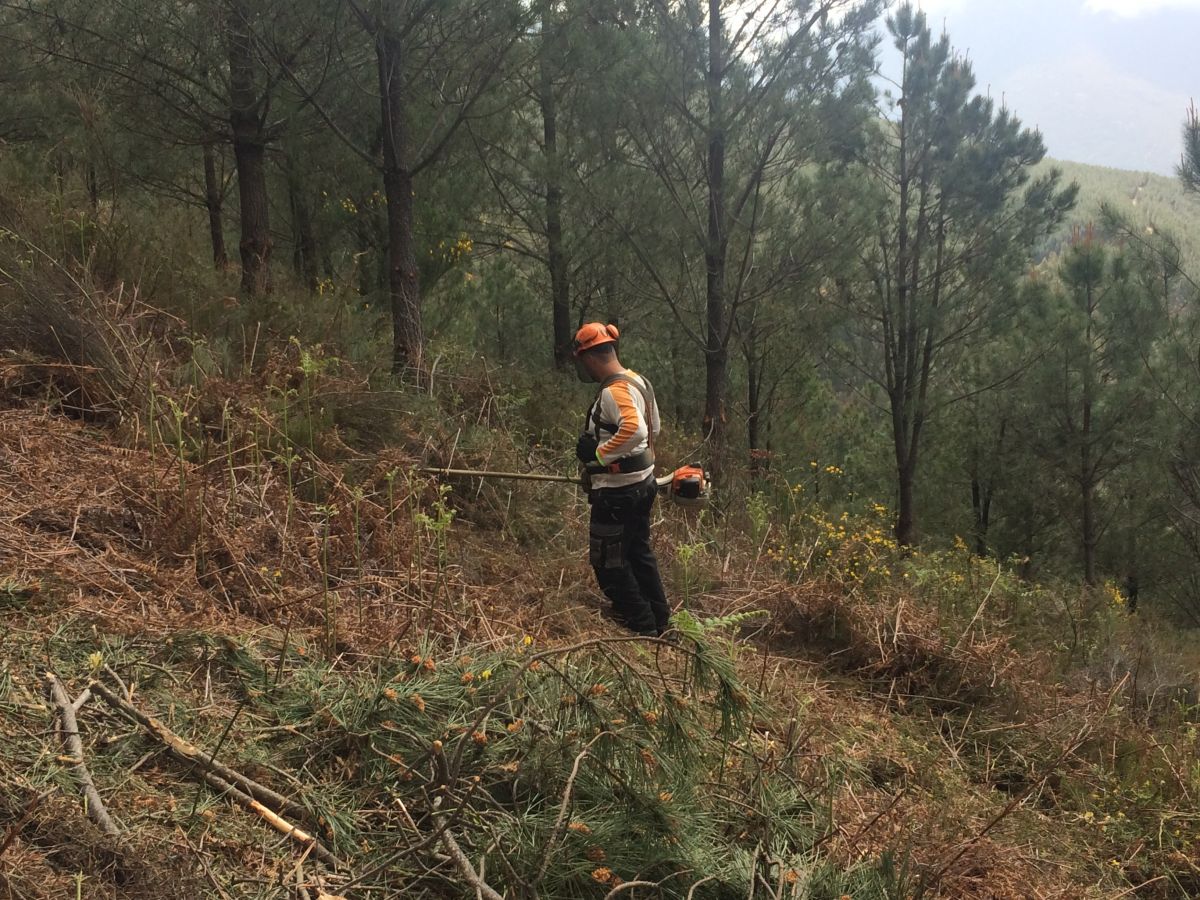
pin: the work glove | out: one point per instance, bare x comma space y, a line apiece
585, 449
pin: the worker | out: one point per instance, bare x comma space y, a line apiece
616, 450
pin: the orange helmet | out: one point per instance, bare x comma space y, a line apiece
593, 334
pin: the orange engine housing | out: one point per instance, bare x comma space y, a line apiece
689, 485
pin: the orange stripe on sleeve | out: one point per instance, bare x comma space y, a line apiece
629, 424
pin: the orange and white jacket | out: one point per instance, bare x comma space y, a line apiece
621, 423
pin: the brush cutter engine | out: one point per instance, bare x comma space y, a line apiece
686, 486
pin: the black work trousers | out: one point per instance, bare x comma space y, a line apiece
621, 556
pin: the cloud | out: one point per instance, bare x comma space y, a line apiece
1090, 111
1129, 9
935, 9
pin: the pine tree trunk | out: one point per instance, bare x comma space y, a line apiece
304, 242
1087, 497
981, 505
755, 401
906, 516
899, 347
715, 351
1087, 471
560, 297
249, 151
754, 412
983, 490
213, 203
93, 186
403, 284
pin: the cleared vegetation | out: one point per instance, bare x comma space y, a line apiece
299, 669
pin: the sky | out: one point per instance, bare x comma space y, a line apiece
1107, 82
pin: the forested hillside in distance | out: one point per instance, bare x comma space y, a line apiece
274, 273
1147, 200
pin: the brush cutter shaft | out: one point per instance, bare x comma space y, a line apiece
662, 482
513, 476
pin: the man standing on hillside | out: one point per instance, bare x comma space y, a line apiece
616, 449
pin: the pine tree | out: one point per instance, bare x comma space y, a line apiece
1189, 165
1092, 397
958, 217
720, 116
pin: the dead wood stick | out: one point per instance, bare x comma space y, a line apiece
629, 886
560, 823
459, 858
108, 670
272, 818
190, 753
247, 792
96, 810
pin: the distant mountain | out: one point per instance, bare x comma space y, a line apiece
1150, 201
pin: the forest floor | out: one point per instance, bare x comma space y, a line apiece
286, 613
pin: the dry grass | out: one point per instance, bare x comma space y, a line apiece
203, 510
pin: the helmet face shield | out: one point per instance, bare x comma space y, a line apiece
581, 371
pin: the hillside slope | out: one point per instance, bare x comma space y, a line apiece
421, 672
1147, 200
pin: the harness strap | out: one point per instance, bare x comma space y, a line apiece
647, 392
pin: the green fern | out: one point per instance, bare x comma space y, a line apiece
731, 621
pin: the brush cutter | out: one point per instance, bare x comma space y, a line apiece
687, 485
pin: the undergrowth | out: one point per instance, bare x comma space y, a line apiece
234, 523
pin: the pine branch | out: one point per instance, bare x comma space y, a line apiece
459, 858
189, 753
69, 729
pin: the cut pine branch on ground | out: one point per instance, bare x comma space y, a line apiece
247, 792
69, 731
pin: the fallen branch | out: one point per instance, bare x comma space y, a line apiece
247, 792
560, 823
272, 818
459, 858
78, 702
188, 752
629, 886
69, 727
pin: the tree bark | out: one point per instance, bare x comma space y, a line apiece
1087, 498
304, 242
1087, 471
403, 283
93, 186
249, 151
213, 203
758, 456
560, 298
716, 361
906, 521
755, 404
